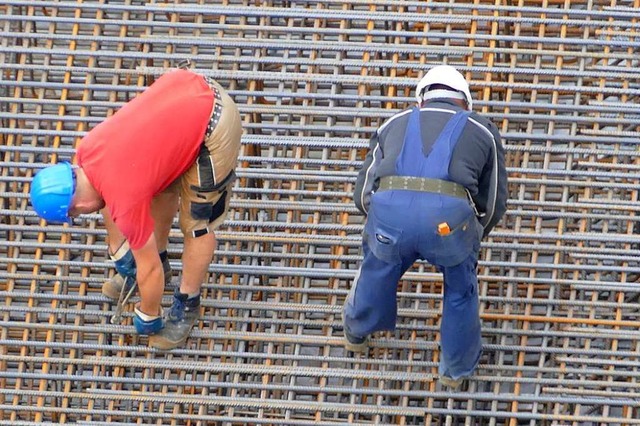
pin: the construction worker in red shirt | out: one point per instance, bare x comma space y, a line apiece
174, 146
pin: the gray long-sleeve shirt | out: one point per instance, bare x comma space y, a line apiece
477, 162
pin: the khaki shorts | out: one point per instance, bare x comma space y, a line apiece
205, 189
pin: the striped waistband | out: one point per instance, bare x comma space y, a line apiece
217, 108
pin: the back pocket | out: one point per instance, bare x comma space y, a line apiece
383, 239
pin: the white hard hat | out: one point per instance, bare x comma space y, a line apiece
445, 75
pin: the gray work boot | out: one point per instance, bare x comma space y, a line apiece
452, 383
113, 286
180, 320
355, 343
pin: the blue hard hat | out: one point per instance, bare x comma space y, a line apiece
51, 192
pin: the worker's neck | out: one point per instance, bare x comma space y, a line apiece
86, 198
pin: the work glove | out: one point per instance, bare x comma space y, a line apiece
146, 325
124, 262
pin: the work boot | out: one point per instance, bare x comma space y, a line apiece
180, 320
355, 343
352, 342
113, 286
452, 383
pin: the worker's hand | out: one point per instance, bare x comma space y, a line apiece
124, 261
146, 324
126, 265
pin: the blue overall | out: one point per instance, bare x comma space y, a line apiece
401, 227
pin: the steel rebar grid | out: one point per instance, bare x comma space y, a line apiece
313, 79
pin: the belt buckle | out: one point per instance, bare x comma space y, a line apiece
184, 64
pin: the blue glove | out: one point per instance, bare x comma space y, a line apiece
124, 262
147, 326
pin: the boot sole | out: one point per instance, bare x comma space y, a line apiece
452, 383
163, 343
356, 347
159, 342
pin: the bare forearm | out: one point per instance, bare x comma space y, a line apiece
150, 277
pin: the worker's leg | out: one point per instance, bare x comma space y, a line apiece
185, 308
196, 258
371, 304
199, 245
164, 208
114, 236
460, 333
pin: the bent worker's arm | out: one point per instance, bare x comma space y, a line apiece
150, 277
139, 261
477, 163
494, 183
367, 176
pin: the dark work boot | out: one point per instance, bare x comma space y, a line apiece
180, 320
113, 286
355, 343
352, 342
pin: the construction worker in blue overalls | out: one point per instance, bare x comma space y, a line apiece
433, 197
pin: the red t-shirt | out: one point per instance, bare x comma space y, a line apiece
139, 151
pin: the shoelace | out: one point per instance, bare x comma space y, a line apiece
178, 309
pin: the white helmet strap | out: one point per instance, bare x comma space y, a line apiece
443, 93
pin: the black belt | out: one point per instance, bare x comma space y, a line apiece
217, 108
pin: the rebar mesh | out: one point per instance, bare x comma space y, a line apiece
313, 79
